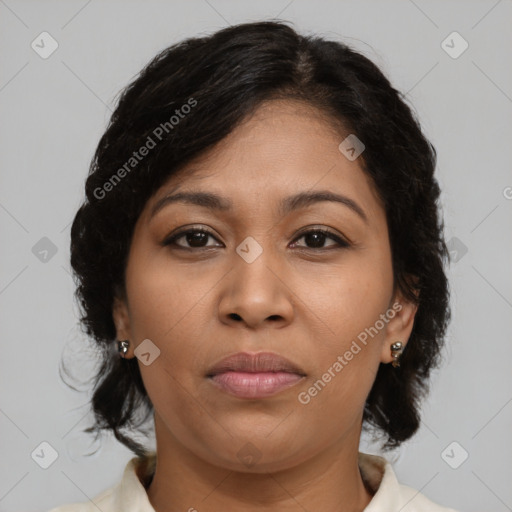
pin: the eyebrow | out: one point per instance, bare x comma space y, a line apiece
287, 205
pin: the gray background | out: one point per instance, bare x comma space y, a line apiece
53, 112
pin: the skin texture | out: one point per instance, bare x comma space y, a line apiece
305, 303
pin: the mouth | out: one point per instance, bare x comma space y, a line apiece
260, 375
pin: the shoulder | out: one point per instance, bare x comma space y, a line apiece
389, 494
415, 501
103, 501
129, 495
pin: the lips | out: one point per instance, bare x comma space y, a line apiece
260, 362
255, 376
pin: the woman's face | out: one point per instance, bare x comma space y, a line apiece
257, 282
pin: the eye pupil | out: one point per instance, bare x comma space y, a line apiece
317, 238
196, 236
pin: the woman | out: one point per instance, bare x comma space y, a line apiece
261, 243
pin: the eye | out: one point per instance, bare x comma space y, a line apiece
317, 237
195, 237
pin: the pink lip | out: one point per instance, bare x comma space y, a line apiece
255, 375
254, 385
255, 362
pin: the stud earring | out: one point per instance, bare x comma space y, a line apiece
122, 347
396, 352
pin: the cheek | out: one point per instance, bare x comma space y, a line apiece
349, 299
172, 320
347, 349
163, 309
164, 297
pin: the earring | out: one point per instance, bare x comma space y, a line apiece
122, 347
396, 352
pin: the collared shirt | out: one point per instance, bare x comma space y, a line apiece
129, 495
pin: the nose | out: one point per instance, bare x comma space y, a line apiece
257, 293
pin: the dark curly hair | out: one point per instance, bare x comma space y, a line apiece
188, 98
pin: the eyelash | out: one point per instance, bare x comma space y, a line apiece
342, 244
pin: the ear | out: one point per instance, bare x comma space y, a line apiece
121, 317
401, 314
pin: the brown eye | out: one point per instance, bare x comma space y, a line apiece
196, 238
316, 238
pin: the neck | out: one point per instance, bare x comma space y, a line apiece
330, 480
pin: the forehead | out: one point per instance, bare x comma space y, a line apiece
283, 147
